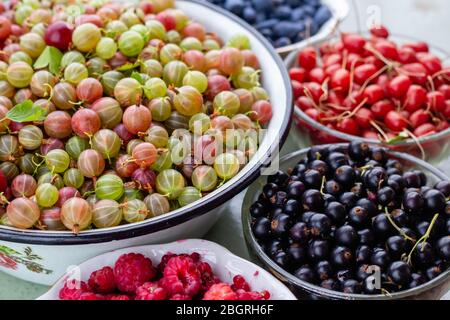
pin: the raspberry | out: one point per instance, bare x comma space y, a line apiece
150, 291
207, 276
102, 280
90, 296
118, 297
220, 291
131, 271
165, 258
180, 297
181, 276
73, 289
248, 295
240, 283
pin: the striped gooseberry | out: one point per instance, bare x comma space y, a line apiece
157, 204
137, 118
23, 213
91, 163
107, 142
157, 135
86, 36
19, 74
51, 219
226, 103
125, 166
189, 195
64, 96
42, 83
75, 145
65, 194
170, 183
57, 160
160, 108
76, 214
109, 186
195, 59
109, 111
144, 154
231, 61
226, 165
46, 195
128, 91
174, 72
204, 178
24, 185
75, 72
134, 211
30, 137
131, 43
188, 101
73, 178
9, 146
85, 122
144, 179
89, 90
106, 213
52, 178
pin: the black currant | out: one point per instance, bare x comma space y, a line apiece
346, 236
399, 272
342, 257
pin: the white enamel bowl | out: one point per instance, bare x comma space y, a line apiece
224, 264
43, 256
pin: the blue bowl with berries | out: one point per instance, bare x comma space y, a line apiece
289, 23
352, 221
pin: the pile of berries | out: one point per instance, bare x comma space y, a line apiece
346, 214
114, 113
282, 22
373, 88
177, 277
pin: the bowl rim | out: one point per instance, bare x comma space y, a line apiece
314, 289
204, 245
183, 214
290, 61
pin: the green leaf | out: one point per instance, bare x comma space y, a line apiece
137, 76
128, 66
25, 112
51, 58
401, 136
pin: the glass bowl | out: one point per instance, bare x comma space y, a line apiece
436, 147
433, 289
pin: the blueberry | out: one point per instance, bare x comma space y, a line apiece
295, 190
249, 15
234, 6
261, 228
262, 5
282, 12
309, 10
400, 272
299, 232
293, 3
306, 274
322, 15
288, 29
351, 286
267, 33
346, 236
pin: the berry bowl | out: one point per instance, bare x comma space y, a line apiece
318, 272
42, 256
225, 266
433, 147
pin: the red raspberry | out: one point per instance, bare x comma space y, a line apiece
150, 291
181, 276
180, 297
90, 296
133, 270
239, 283
207, 276
249, 295
220, 291
165, 258
73, 289
118, 297
102, 280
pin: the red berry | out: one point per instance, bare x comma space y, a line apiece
363, 118
419, 117
331, 69
416, 72
102, 280
307, 58
370, 134
436, 101
336, 98
447, 109
418, 46
167, 20
445, 90
239, 283
118, 297
250, 295
150, 291
262, 111
59, 35
181, 276
387, 48
297, 88
364, 72
395, 121
304, 103
353, 60
90, 296
415, 98
330, 59
5, 28
353, 42
399, 86
72, 290
353, 100
207, 276
317, 75
373, 93
379, 31
348, 126
430, 62
424, 130
3, 182
340, 81
131, 271
406, 55
297, 74
220, 291
313, 90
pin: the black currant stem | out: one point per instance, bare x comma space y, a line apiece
388, 215
324, 180
423, 238
385, 292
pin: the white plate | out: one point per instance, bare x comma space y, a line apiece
224, 264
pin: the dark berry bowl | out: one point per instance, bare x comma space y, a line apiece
433, 147
280, 243
288, 24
